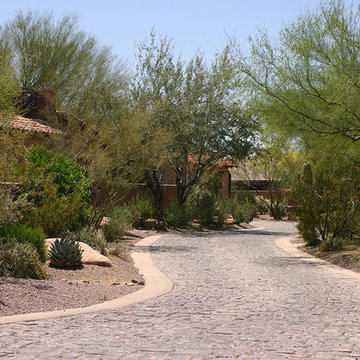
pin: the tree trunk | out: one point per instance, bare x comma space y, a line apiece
154, 183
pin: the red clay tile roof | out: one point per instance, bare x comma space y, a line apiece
22, 123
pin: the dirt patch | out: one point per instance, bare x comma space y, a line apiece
348, 258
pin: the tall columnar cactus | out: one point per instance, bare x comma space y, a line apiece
307, 216
65, 253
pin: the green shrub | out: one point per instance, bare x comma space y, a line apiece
224, 210
177, 216
243, 206
203, 205
10, 206
24, 234
291, 216
141, 210
65, 253
327, 198
245, 197
57, 214
88, 236
243, 213
278, 211
20, 260
332, 244
68, 176
58, 192
120, 251
261, 207
120, 222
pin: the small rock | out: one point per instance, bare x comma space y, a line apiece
155, 224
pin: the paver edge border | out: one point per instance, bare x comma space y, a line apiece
285, 244
156, 284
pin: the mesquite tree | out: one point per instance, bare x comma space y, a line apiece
195, 102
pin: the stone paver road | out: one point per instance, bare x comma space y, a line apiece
236, 295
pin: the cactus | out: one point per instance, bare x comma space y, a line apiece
65, 253
308, 230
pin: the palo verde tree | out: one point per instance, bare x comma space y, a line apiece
308, 81
9, 89
55, 55
194, 102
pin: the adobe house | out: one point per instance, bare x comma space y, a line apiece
244, 178
39, 114
37, 106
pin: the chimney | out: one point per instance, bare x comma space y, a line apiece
39, 105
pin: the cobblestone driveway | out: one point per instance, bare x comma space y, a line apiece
236, 295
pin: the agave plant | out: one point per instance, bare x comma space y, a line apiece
65, 253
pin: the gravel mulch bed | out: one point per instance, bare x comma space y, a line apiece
67, 289
72, 288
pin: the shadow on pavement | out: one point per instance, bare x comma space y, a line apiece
289, 262
164, 249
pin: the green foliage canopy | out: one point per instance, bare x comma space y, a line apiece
308, 81
195, 102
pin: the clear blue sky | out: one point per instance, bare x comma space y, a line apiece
193, 24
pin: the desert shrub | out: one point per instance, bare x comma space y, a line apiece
211, 209
120, 222
120, 251
88, 236
25, 234
226, 204
332, 244
203, 205
277, 211
141, 210
224, 210
328, 198
68, 176
10, 207
20, 260
245, 197
292, 216
243, 213
57, 214
58, 192
261, 207
177, 216
275, 208
244, 207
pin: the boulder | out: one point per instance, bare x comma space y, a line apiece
89, 256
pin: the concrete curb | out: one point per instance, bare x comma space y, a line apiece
156, 284
285, 244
